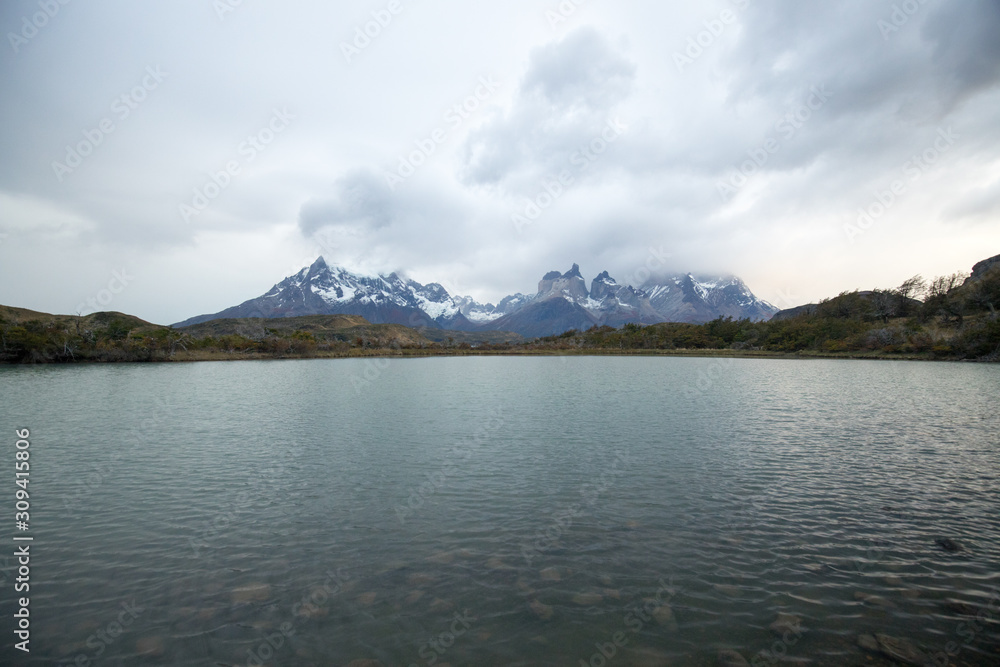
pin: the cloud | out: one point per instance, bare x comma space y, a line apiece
565, 101
966, 55
320, 185
361, 200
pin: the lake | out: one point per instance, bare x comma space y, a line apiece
507, 511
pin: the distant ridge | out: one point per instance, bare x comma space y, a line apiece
563, 301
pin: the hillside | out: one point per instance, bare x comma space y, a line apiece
957, 319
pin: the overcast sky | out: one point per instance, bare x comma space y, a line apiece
209, 149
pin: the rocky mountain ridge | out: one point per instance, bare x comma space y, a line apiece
562, 301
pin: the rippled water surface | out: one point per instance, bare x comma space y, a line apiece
507, 511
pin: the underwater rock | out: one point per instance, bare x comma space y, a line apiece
587, 599
894, 648
786, 623
550, 574
876, 600
664, 615
726, 589
150, 646
367, 599
951, 546
441, 605
251, 593
442, 557
541, 610
418, 579
961, 608
730, 658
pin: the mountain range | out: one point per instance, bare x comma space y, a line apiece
562, 302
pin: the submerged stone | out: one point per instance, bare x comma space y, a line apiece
150, 646
786, 623
876, 600
949, 545
419, 579
442, 557
587, 599
541, 610
730, 658
251, 593
441, 605
726, 589
894, 648
664, 616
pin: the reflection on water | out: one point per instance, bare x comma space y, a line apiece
503, 511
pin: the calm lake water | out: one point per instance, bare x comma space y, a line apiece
506, 511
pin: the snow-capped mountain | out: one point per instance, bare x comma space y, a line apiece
324, 290
562, 302
697, 299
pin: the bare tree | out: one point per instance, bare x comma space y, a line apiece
883, 304
941, 298
912, 288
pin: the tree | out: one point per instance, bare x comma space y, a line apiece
883, 306
941, 299
912, 288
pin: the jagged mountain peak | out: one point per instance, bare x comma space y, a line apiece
562, 301
605, 277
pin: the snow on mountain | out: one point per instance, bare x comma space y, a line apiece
690, 298
562, 302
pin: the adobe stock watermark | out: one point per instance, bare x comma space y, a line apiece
453, 117
239, 505
365, 34
554, 187
637, 617
461, 452
138, 436
247, 151
705, 39
912, 170
436, 647
107, 636
122, 107
786, 128
789, 630
30, 26
655, 261
311, 604
321, 247
563, 12
562, 522
373, 369
900, 16
969, 631
119, 281
224, 7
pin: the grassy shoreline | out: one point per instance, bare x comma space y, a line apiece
196, 356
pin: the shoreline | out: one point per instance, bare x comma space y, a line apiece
415, 353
